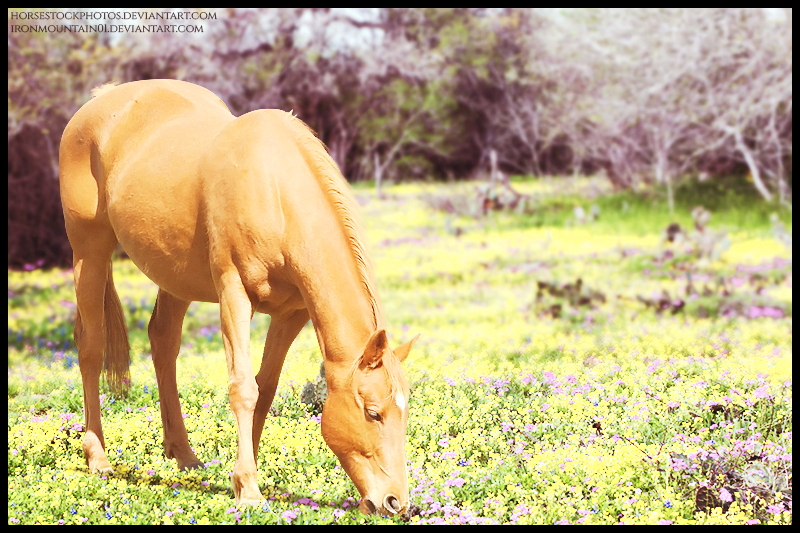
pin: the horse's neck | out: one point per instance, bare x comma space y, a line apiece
343, 314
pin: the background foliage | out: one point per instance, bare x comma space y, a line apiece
643, 96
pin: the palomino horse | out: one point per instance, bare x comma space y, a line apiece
252, 213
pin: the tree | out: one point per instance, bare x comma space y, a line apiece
682, 85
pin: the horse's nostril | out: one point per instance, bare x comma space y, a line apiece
392, 504
371, 507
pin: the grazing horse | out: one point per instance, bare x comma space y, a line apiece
251, 213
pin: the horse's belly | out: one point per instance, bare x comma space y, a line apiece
174, 270
157, 225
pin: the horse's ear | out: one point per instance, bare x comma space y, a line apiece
401, 352
374, 350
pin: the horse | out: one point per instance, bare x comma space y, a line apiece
250, 212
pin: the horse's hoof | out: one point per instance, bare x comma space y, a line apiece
193, 465
251, 502
100, 466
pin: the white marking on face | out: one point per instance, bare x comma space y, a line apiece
400, 400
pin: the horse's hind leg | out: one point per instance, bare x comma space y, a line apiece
165, 341
91, 263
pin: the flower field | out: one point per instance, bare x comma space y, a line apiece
567, 373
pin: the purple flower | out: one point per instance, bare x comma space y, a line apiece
307, 501
776, 509
772, 312
769, 312
761, 392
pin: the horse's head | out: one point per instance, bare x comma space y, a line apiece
364, 423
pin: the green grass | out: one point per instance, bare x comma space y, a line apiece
613, 411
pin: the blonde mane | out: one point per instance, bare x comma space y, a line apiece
327, 172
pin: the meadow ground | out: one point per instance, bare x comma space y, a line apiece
566, 373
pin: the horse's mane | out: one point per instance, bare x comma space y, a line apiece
330, 178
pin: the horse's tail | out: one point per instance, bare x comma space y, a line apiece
117, 356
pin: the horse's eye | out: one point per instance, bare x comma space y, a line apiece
374, 415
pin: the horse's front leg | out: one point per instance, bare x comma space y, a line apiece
283, 329
236, 311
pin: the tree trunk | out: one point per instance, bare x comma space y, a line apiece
493, 176
663, 175
378, 174
751, 164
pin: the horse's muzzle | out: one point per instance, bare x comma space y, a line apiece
390, 506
